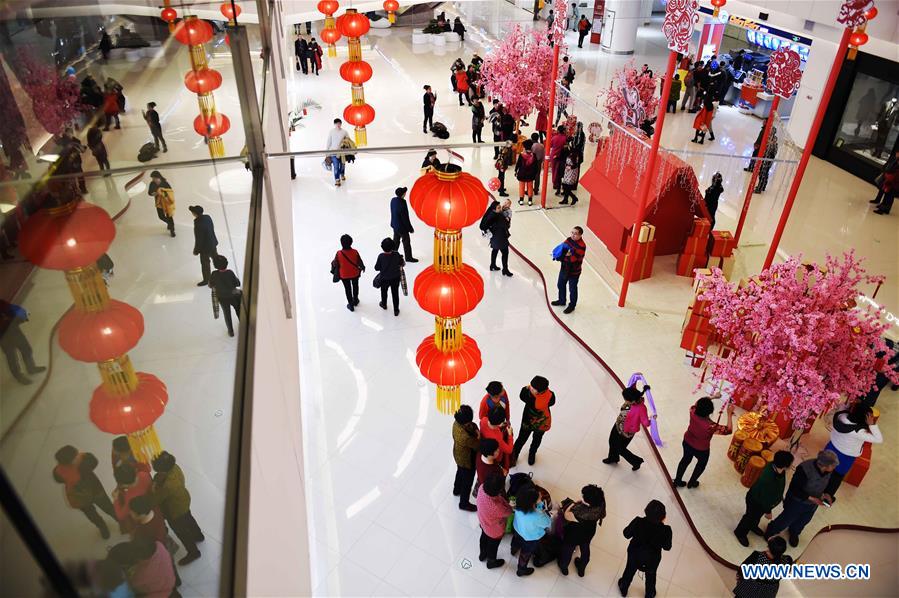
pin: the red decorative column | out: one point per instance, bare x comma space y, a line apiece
353, 26
97, 329
680, 16
449, 200
784, 76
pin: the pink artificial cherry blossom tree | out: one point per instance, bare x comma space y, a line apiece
801, 342
519, 71
55, 99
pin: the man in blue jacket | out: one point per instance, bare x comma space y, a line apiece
400, 223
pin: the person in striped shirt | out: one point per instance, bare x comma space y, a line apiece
570, 272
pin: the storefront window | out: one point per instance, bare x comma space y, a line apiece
869, 128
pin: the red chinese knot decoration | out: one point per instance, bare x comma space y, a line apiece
680, 16
449, 200
784, 73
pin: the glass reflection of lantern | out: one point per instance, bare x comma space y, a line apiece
97, 329
391, 6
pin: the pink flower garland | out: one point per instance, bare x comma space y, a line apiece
800, 342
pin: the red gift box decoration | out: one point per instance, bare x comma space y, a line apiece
860, 467
692, 339
687, 262
701, 228
723, 244
697, 322
696, 245
643, 263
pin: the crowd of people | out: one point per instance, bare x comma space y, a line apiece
144, 508
485, 451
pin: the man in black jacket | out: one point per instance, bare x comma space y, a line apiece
428, 99
205, 242
152, 118
400, 223
301, 50
14, 343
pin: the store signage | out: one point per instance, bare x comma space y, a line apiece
772, 42
759, 27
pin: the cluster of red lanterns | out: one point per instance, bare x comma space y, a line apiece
859, 37
353, 25
98, 329
391, 6
330, 35
202, 80
448, 200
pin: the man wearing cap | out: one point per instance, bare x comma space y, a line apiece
205, 242
536, 419
152, 118
400, 223
809, 489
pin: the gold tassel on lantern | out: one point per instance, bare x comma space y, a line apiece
448, 399
118, 376
145, 444
216, 147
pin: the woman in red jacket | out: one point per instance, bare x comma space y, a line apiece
462, 86
351, 268
496, 397
703, 121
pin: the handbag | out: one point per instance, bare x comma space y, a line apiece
403, 282
376, 281
335, 270
879, 180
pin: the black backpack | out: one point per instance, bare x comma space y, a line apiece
147, 152
439, 130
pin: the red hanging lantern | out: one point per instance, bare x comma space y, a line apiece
192, 31
204, 80
448, 369
330, 36
356, 72
391, 6
449, 201
717, 4
168, 15
871, 13
359, 115
130, 413
214, 125
858, 38
98, 336
230, 11
353, 24
449, 294
67, 238
328, 7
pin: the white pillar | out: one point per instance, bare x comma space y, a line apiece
646, 11
619, 31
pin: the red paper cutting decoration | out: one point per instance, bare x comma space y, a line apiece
356, 72
852, 12
67, 238
680, 16
204, 80
784, 73
391, 6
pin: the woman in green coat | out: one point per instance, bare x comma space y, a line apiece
173, 500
